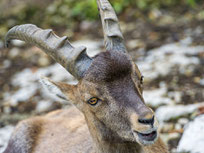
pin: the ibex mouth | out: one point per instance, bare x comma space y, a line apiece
147, 136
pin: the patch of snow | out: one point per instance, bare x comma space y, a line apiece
165, 113
183, 121
193, 140
27, 79
159, 61
5, 134
43, 106
175, 95
187, 41
27, 82
23, 94
157, 97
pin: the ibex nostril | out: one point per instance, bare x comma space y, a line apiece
146, 121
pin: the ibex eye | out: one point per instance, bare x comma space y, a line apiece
93, 101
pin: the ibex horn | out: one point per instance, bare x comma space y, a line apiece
75, 60
111, 28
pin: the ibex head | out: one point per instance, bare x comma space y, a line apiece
109, 91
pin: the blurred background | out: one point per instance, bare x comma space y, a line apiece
164, 37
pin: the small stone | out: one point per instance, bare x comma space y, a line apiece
132, 44
173, 150
14, 52
43, 106
7, 110
176, 96
6, 64
164, 137
174, 136
43, 61
178, 126
1, 44
196, 79
200, 15
165, 128
183, 121
164, 20
202, 82
155, 14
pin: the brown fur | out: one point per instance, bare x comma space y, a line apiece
110, 126
65, 131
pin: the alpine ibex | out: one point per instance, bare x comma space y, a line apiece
113, 118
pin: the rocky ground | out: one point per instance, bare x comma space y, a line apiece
170, 57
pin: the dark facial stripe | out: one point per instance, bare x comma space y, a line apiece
124, 91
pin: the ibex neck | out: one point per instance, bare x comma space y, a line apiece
158, 147
111, 147
105, 141
108, 147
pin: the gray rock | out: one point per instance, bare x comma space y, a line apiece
43, 106
156, 97
5, 134
1, 44
160, 61
14, 52
183, 121
202, 82
167, 127
166, 113
193, 137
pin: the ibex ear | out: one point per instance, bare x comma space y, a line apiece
62, 90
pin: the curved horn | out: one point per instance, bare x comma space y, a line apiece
111, 28
75, 60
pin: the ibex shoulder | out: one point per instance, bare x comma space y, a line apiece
60, 130
24, 136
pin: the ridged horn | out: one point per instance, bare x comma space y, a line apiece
75, 60
111, 28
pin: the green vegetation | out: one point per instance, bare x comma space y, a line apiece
87, 9
66, 13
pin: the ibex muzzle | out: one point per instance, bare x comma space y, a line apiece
109, 94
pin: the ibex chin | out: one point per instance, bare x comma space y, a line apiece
109, 114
